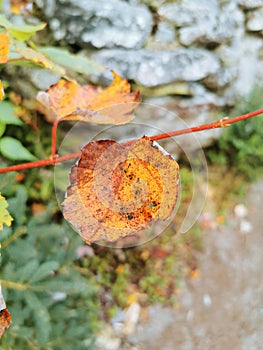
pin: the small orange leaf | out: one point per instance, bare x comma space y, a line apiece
2, 93
119, 190
195, 273
38, 208
5, 320
4, 47
68, 100
18, 6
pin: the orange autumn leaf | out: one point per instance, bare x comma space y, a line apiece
2, 93
18, 6
119, 190
5, 320
195, 273
4, 47
70, 101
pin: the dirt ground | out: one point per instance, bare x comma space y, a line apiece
223, 308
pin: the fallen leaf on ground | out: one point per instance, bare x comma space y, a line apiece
119, 190
67, 100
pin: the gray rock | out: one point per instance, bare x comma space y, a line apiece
188, 12
250, 4
201, 22
98, 23
223, 77
42, 78
131, 318
165, 33
174, 113
255, 20
243, 54
152, 68
107, 340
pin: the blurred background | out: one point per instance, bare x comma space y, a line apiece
193, 62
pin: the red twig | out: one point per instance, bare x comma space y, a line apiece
214, 125
39, 163
55, 160
54, 138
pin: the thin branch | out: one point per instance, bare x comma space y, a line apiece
54, 138
39, 163
225, 122
55, 160
21, 286
21, 231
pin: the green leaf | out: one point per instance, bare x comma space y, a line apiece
69, 287
45, 269
41, 316
20, 32
2, 128
78, 63
7, 114
26, 271
5, 217
17, 205
33, 57
14, 150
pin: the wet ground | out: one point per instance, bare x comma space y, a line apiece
223, 307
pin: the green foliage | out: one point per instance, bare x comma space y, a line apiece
18, 142
23, 52
20, 32
14, 150
23, 55
52, 305
10, 147
7, 114
79, 63
2, 128
240, 146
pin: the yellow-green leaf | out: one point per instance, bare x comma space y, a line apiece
5, 217
14, 150
20, 32
36, 57
7, 113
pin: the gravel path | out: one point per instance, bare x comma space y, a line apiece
223, 308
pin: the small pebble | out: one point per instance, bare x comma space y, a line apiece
245, 227
240, 210
207, 300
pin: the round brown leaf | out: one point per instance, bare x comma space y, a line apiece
119, 190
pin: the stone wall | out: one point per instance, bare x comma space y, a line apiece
191, 57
